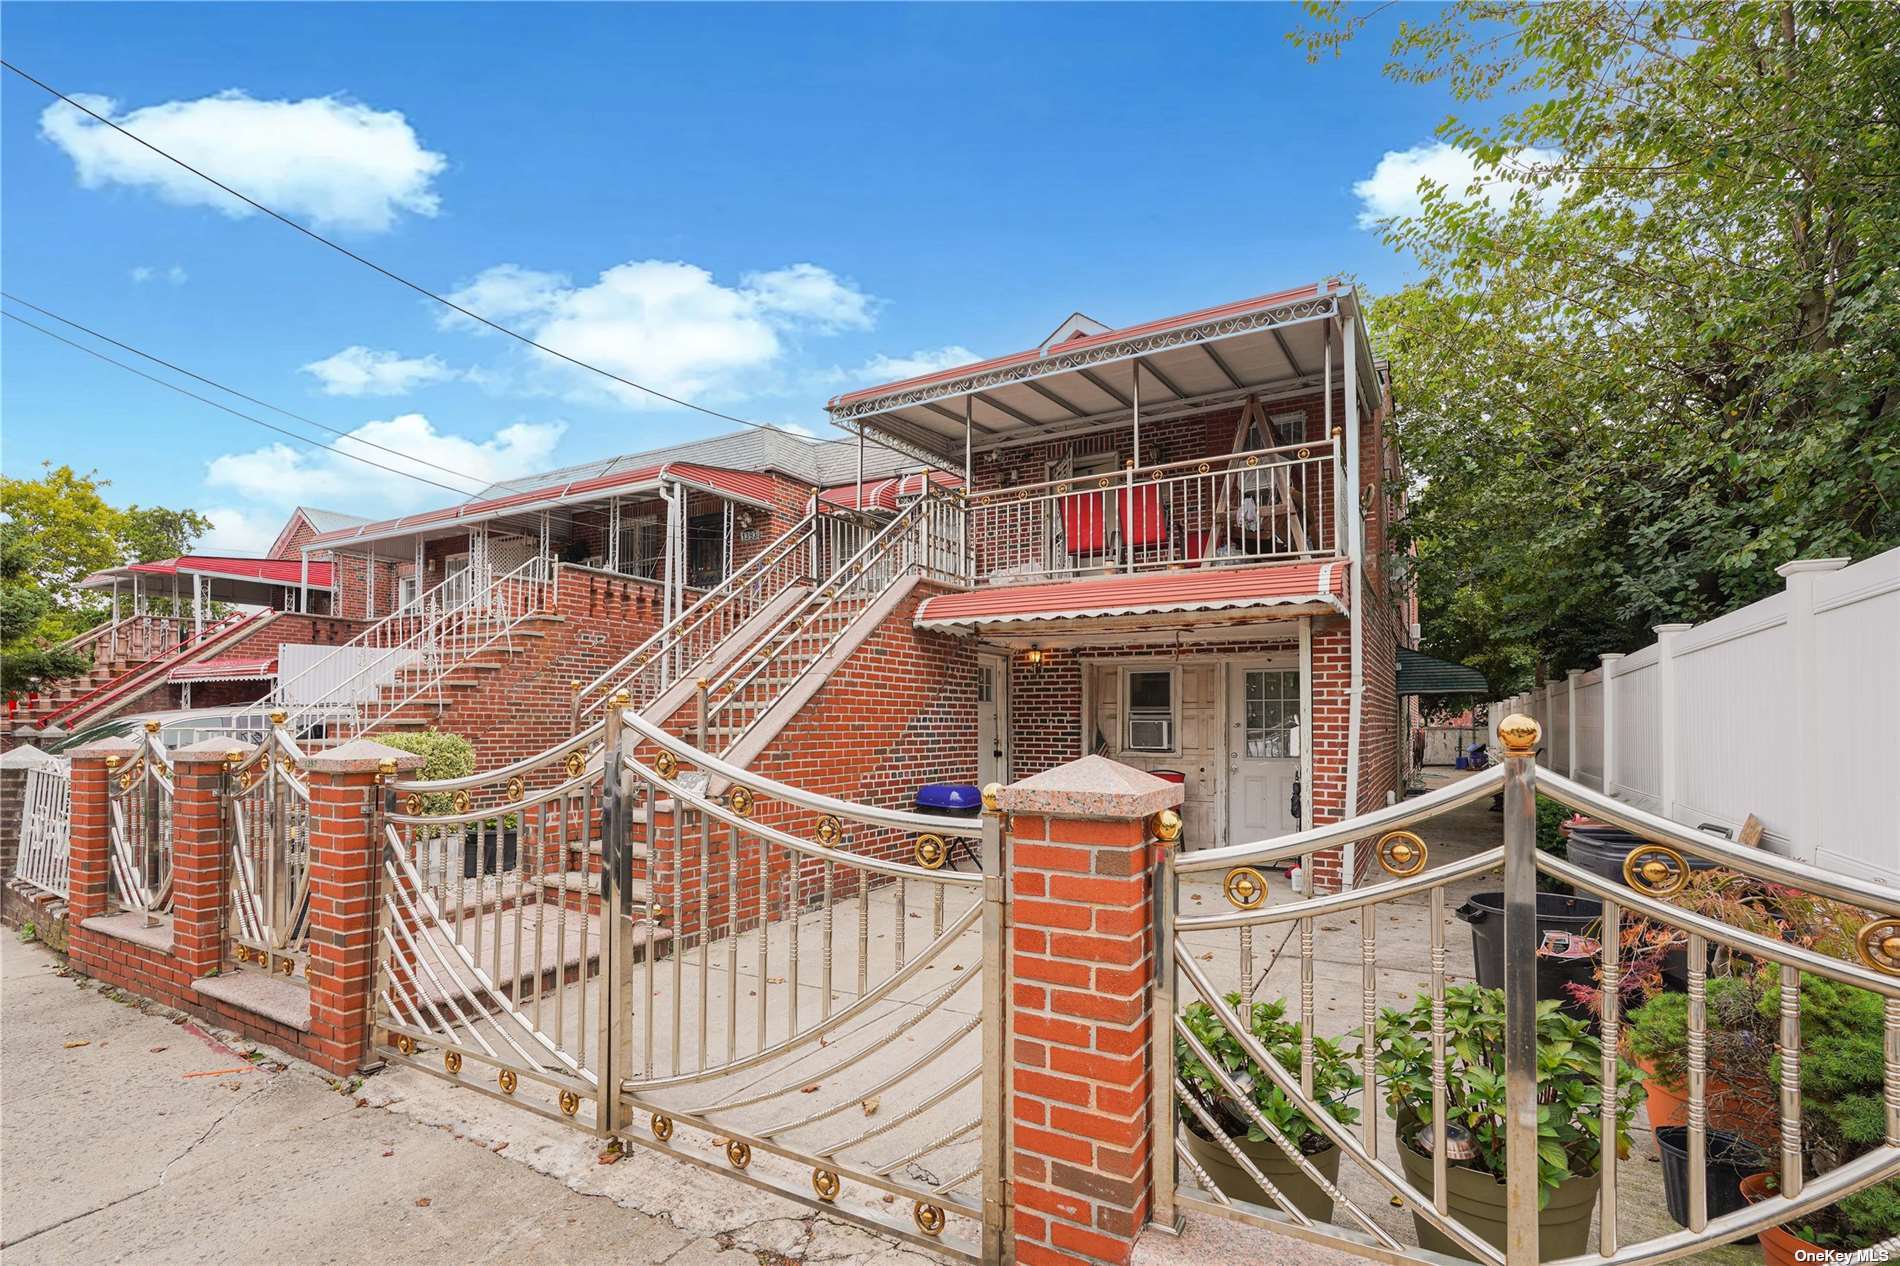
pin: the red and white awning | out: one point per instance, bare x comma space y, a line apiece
233, 668
1288, 588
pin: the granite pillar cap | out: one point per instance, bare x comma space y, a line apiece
1093, 787
109, 747
360, 756
211, 750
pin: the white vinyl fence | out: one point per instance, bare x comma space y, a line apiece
1788, 709
45, 816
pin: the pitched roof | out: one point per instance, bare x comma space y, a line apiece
1146, 593
330, 520
270, 571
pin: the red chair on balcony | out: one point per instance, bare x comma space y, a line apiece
1084, 525
1146, 524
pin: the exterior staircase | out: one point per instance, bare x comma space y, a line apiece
111, 685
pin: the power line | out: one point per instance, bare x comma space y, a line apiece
399, 279
271, 426
180, 369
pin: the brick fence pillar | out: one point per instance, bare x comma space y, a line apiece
90, 829
1081, 971
198, 849
345, 864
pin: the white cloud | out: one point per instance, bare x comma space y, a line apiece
176, 275
236, 531
335, 162
882, 369
1392, 189
667, 323
363, 371
281, 476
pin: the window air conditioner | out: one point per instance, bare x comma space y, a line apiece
1151, 734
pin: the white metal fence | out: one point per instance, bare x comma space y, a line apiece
1785, 709
45, 820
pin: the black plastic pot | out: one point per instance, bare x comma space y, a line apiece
1578, 916
483, 848
1729, 1159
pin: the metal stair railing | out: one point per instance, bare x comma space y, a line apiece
143, 676
676, 648
429, 636
926, 537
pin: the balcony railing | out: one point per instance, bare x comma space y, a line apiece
1269, 503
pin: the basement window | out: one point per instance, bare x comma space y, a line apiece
1150, 695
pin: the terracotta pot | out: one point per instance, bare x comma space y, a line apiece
1477, 1202
1779, 1246
1752, 1116
1275, 1166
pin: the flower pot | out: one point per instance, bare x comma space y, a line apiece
1729, 1158
485, 854
1779, 1245
1559, 964
1477, 1202
1275, 1166
1750, 1114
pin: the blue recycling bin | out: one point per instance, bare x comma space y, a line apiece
954, 800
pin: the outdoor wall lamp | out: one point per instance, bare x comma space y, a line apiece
1033, 656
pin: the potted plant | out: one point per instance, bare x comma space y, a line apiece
486, 846
1335, 1081
1740, 1044
1842, 1116
1569, 1076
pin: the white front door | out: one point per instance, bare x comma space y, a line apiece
1263, 707
992, 719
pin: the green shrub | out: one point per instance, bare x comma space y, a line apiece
443, 755
1335, 1078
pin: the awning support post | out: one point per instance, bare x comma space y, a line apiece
969, 487
858, 505
197, 605
303, 585
1134, 460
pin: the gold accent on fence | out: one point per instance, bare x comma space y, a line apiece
460, 802
662, 1126
1519, 734
405, 1044
507, 1080
452, 1060
570, 1103
825, 1183
1245, 888
1304, 453
112, 763
1166, 826
829, 831
928, 1217
285, 966
1253, 461
738, 1154
931, 853
153, 727
1062, 487
1402, 853
412, 804
125, 780
1203, 468
740, 801
279, 716
234, 758
386, 769
1879, 946
991, 797
243, 953
666, 764
1655, 870
517, 788
576, 763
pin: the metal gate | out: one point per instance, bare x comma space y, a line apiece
784, 987
1435, 1068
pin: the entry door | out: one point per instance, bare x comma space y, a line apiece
1263, 707
992, 719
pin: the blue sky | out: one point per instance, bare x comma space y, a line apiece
755, 207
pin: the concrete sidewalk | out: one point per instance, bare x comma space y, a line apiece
126, 1135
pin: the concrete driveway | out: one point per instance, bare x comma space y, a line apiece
127, 1134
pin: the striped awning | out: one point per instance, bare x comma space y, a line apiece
233, 668
1311, 586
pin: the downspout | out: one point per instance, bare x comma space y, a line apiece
670, 562
1355, 694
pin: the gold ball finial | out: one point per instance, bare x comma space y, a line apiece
279, 716
112, 762
1655, 872
386, 768
575, 686
234, 757
990, 793
1519, 734
151, 727
1167, 826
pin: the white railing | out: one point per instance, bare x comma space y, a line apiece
926, 538
46, 812
1783, 710
1265, 504
801, 556
408, 652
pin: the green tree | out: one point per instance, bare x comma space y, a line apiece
1660, 351
54, 532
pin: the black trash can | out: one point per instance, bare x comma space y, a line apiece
1564, 956
1600, 849
954, 800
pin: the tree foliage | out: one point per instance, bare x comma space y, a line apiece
54, 532
1659, 353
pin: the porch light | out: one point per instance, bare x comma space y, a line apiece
1033, 656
